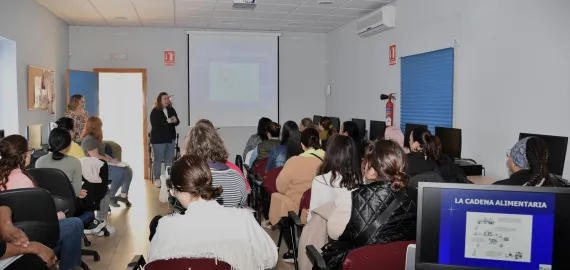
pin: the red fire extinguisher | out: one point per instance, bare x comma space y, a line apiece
389, 108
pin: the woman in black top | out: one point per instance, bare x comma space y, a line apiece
164, 120
426, 156
350, 129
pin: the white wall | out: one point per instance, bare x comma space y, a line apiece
41, 40
8, 87
512, 67
302, 69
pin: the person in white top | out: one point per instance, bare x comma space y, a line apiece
339, 173
207, 229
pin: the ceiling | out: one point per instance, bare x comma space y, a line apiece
269, 15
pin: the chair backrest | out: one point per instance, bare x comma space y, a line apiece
33, 211
188, 263
239, 162
259, 167
305, 200
56, 182
391, 256
270, 180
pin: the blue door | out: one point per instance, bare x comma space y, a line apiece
84, 83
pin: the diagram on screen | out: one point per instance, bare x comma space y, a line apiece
504, 237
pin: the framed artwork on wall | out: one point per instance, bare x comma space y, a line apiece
41, 92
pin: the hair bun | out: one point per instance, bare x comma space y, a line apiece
399, 181
209, 192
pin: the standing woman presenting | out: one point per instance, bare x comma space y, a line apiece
76, 111
163, 120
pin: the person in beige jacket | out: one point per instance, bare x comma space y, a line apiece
296, 178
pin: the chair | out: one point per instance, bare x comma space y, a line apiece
178, 264
297, 225
259, 167
391, 256
270, 180
57, 183
33, 211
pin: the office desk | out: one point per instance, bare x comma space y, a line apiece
481, 180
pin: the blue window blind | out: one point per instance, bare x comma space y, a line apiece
427, 89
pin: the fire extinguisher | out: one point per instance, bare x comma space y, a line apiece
389, 108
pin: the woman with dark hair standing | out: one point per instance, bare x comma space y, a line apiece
528, 163
258, 137
355, 221
163, 119
426, 156
290, 146
77, 112
351, 130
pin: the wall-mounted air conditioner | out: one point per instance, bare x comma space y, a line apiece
378, 21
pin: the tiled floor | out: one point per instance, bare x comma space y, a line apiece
131, 238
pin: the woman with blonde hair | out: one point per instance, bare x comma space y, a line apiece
76, 111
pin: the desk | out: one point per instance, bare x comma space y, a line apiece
481, 180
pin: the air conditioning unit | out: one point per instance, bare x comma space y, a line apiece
378, 21
244, 4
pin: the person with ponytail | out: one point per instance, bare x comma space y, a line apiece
57, 158
294, 179
528, 163
326, 130
207, 229
426, 156
75, 149
357, 221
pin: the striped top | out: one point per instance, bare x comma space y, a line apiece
235, 193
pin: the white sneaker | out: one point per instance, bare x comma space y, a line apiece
265, 224
96, 226
157, 183
109, 228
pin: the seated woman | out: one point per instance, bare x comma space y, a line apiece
326, 130
426, 156
74, 148
296, 178
379, 212
528, 163
207, 229
14, 157
205, 142
260, 136
351, 130
306, 123
339, 173
290, 146
264, 148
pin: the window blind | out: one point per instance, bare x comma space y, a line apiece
427, 89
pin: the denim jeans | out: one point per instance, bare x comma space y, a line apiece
68, 248
121, 177
162, 152
87, 216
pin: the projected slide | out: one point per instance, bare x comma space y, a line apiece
233, 78
498, 229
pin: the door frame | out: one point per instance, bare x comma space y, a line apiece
144, 92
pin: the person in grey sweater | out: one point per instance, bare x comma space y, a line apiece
59, 144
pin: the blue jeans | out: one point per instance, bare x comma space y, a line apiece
69, 246
162, 152
87, 216
121, 177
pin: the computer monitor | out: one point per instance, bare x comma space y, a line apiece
464, 226
557, 147
450, 141
317, 120
336, 123
409, 128
2, 134
34, 137
377, 129
361, 123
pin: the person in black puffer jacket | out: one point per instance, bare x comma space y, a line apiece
379, 212
426, 156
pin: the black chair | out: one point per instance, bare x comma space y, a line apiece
33, 211
57, 183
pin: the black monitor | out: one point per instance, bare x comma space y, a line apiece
34, 137
377, 129
317, 120
464, 226
450, 141
335, 122
409, 128
2, 134
557, 147
361, 123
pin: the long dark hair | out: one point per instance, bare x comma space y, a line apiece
262, 128
352, 130
13, 151
59, 139
310, 138
431, 145
274, 129
291, 138
191, 174
537, 157
341, 160
388, 160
